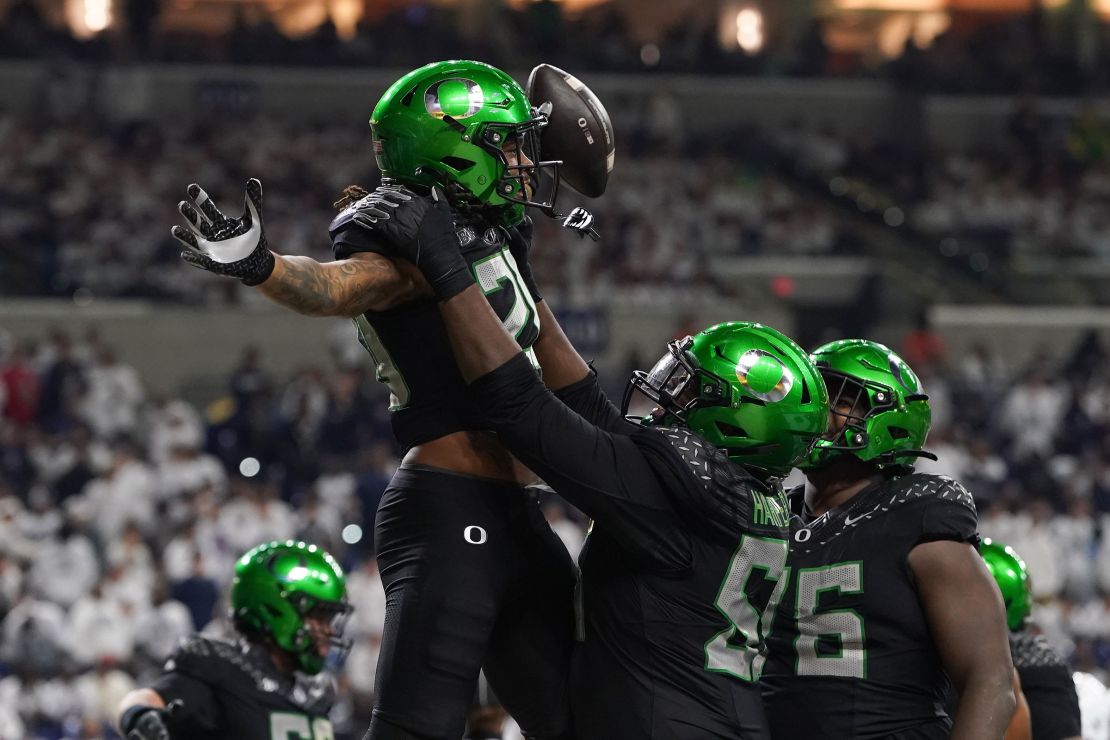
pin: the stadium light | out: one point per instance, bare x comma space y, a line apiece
749, 30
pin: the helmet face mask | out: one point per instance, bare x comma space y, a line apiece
450, 123
745, 388
293, 596
883, 412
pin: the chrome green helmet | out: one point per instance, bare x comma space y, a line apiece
1012, 578
889, 415
746, 389
294, 595
448, 123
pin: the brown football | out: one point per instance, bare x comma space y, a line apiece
578, 131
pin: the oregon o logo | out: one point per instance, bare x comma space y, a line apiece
798, 536
456, 97
764, 376
474, 534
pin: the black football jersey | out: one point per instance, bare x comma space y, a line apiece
850, 642
1048, 687
685, 555
231, 689
408, 344
675, 606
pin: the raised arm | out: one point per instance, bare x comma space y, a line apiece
365, 281
237, 248
605, 475
564, 370
967, 619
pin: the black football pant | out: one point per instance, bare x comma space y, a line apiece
474, 577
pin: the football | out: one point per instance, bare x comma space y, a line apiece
578, 132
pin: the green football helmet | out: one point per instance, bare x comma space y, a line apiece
1012, 577
889, 416
293, 595
745, 388
448, 124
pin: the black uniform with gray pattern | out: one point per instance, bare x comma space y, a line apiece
1048, 687
685, 553
850, 654
454, 607
231, 689
409, 345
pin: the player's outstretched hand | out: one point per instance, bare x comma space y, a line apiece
420, 229
235, 247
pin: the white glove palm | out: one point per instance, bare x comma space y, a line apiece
235, 247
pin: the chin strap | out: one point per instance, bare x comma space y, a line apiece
917, 453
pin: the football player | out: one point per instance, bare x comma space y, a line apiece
1046, 679
288, 606
887, 597
472, 572
685, 558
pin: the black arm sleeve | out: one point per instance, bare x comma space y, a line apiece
1053, 704
351, 238
199, 710
587, 400
603, 474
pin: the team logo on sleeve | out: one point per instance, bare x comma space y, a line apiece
764, 376
456, 97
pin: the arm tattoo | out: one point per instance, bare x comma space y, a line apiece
344, 288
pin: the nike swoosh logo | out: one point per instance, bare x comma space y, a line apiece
852, 520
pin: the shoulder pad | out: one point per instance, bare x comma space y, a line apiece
343, 219
1033, 651
191, 652
926, 487
702, 458
725, 496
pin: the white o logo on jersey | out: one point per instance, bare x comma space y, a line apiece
474, 534
798, 536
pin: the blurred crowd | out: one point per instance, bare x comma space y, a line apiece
1057, 51
121, 513
1037, 200
91, 204
1032, 444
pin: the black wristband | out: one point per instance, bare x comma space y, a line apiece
131, 716
258, 265
445, 268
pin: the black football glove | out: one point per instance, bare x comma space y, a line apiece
235, 247
148, 723
520, 244
420, 229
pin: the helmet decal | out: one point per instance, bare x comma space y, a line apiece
765, 410
456, 97
476, 136
764, 376
898, 369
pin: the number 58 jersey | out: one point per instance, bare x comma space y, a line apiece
849, 652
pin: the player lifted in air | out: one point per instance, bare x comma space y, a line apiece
688, 546
288, 605
887, 596
472, 572
1046, 679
